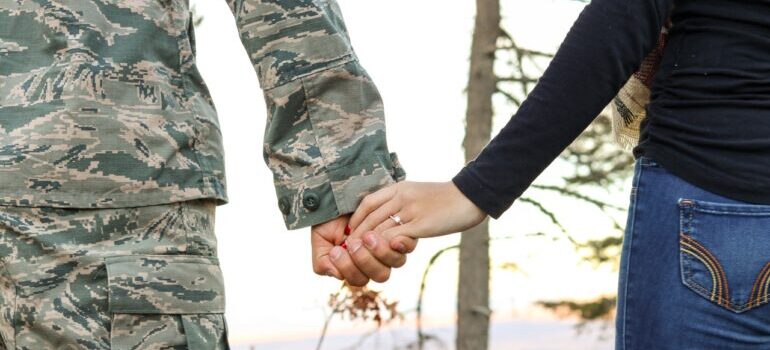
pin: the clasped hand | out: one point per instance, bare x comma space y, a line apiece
368, 244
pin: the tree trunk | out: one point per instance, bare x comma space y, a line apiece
473, 289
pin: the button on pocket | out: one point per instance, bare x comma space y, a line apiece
725, 252
285, 205
311, 201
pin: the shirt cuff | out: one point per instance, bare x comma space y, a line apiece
482, 196
336, 192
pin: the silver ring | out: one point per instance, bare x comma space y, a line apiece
397, 219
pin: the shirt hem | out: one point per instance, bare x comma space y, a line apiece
83, 200
689, 171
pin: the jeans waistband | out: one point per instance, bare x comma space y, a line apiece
647, 161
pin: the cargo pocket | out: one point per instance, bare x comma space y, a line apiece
725, 252
166, 301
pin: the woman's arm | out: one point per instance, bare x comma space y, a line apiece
603, 48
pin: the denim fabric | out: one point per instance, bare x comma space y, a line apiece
694, 269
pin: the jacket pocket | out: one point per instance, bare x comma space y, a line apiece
166, 301
725, 252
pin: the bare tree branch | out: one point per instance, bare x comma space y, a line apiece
602, 205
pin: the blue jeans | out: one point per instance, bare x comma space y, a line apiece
694, 268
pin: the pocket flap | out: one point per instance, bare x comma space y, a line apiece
165, 284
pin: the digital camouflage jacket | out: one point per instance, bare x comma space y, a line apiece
102, 106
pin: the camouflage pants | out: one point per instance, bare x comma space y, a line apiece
125, 278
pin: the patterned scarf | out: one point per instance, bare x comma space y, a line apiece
629, 105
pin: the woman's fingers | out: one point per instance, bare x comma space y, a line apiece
366, 262
370, 203
344, 264
400, 237
403, 244
380, 249
377, 216
387, 224
394, 254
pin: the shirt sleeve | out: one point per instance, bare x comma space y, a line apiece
325, 135
604, 47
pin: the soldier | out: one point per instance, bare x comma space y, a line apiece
111, 165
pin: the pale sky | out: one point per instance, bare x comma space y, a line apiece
417, 53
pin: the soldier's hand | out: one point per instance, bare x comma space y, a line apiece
329, 258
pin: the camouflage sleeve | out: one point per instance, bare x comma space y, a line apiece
325, 135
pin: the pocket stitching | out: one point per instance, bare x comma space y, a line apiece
762, 272
725, 208
687, 207
721, 291
703, 291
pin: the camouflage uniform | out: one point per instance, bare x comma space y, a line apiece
118, 278
105, 123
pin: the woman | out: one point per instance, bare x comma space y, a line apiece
695, 263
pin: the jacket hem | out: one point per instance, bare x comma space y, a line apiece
213, 188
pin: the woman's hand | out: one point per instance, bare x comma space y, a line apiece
426, 209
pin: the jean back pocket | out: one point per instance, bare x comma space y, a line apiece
725, 252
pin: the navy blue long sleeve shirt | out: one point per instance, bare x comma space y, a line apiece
708, 120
